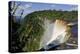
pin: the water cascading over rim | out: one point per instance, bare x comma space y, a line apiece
56, 33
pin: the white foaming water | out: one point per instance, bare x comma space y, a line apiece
53, 31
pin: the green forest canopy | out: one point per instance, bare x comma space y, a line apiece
31, 28
53, 14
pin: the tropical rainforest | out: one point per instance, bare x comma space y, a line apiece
26, 35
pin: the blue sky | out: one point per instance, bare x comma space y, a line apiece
31, 7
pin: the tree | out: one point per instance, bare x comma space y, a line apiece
32, 29
13, 26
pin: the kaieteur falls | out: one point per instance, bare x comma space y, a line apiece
56, 33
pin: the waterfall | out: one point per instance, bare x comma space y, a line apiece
47, 34
54, 33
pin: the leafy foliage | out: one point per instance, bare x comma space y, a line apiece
13, 27
31, 29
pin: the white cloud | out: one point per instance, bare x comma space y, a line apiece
23, 7
26, 6
53, 5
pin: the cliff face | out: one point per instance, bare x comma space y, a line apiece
40, 28
55, 33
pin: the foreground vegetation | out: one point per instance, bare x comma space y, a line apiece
31, 29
